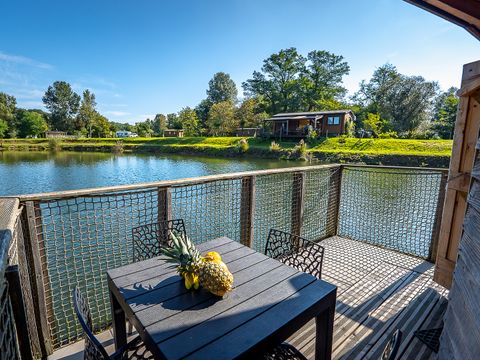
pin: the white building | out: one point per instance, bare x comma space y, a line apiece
125, 134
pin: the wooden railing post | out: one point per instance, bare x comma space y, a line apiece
298, 195
164, 208
35, 252
432, 254
247, 210
16, 299
334, 195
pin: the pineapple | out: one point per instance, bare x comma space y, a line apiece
208, 271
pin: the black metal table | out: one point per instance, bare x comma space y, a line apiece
270, 302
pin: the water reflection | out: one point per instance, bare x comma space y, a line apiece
33, 172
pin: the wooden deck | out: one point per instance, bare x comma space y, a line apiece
378, 291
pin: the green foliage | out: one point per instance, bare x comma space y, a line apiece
159, 124
7, 113
173, 122
373, 123
243, 145
32, 124
188, 119
300, 151
86, 114
144, 129
445, 113
221, 88
388, 135
202, 110
275, 147
3, 128
54, 144
403, 101
289, 82
221, 119
312, 137
63, 104
350, 129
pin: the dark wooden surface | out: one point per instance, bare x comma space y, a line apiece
269, 303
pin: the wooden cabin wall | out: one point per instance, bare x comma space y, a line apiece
461, 163
460, 338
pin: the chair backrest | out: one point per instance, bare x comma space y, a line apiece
295, 251
93, 347
148, 239
391, 349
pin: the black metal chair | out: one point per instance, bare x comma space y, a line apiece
391, 349
94, 350
148, 239
295, 251
284, 351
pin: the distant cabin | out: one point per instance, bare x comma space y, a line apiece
173, 133
125, 134
297, 125
253, 132
55, 134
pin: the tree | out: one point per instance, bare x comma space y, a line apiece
159, 124
202, 110
221, 119
373, 123
143, 129
87, 113
99, 126
403, 101
187, 117
221, 88
7, 113
322, 79
31, 123
63, 104
3, 128
445, 113
172, 121
249, 114
278, 82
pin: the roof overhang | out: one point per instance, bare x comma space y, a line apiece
465, 13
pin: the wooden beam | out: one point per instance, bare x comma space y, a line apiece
247, 210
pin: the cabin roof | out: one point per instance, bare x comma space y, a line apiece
307, 115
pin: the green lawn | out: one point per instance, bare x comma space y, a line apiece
333, 145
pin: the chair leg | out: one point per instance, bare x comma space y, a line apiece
130, 328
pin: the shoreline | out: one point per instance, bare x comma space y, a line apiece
331, 150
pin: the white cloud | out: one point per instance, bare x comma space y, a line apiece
18, 59
116, 113
28, 93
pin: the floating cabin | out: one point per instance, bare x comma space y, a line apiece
173, 133
297, 125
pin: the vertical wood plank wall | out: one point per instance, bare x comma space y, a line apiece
461, 163
460, 338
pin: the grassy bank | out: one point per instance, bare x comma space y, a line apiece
372, 151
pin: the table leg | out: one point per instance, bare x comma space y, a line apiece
118, 323
324, 334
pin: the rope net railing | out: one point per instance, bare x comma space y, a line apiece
392, 208
81, 237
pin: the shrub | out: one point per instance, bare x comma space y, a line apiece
54, 144
275, 147
312, 136
388, 135
243, 146
118, 148
300, 151
342, 139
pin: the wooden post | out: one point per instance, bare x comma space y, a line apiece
18, 307
298, 194
164, 210
247, 210
438, 218
37, 259
333, 207
461, 163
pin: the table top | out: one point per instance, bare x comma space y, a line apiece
269, 302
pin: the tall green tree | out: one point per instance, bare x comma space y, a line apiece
188, 119
202, 110
32, 124
278, 81
87, 113
249, 113
63, 104
8, 104
144, 128
172, 121
445, 113
403, 101
221, 119
322, 79
159, 124
100, 127
221, 88
3, 129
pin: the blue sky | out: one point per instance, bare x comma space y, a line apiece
144, 57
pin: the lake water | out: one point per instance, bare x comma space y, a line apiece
35, 172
